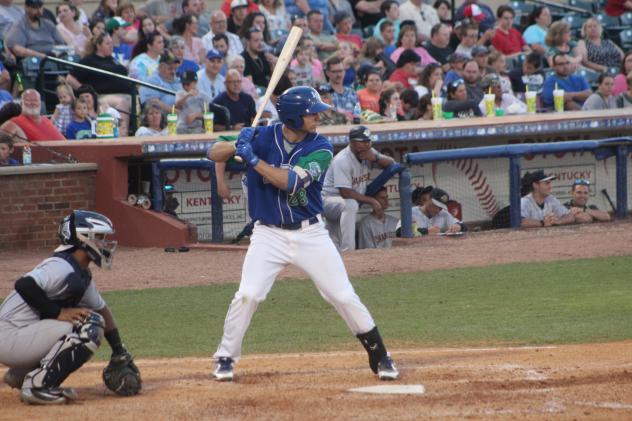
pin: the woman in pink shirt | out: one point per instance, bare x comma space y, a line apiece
620, 84
407, 40
187, 26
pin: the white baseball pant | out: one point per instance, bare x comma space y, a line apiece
340, 215
26, 346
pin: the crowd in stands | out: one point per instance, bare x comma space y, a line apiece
391, 57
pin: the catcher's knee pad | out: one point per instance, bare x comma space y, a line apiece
68, 354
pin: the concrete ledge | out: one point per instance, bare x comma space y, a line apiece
47, 168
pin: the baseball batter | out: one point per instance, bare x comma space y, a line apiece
345, 187
286, 163
55, 319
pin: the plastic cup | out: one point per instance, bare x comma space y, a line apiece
530, 98
490, 105
208, 122
558, 100
499, 112
437, 108
172, 123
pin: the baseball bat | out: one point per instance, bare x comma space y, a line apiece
605, 193
283, 61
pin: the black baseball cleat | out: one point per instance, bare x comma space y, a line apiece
43, 396
386, 369
13, 379
224, 369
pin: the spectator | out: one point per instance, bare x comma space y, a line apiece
331, 116
480, 53
578, 205
301, 65
340, 6
576, 89
9, 13
62, 116
32, 36
410, 100
374, 56
540, 208
343, 23
430, 80
326, 44
127, 13
31, 125
247, 87
424, 108
114, 91
469, 39
374, 231
219, 25
433, 218
498, 64
315, 63
191, 104
276, 16
472, 77
153, 122
459, 103
238, 13
144, 65
161, 10
105, 11
369, 97
344, 97
559, 41
257, 65
408, 41
165, 77
620, 83
387, 37
220, 43
209, 80
528, 75
535, 34
346, 54
187, 27
485, 24
147, 26
391, 105
227, 5
597, 53
504, 101
176, 46
345, 184
120, 50
407, 64
507, 39
257, 20
240, 107
89, 95
73, 33
424, 16
295, 20
390, 10
6, 149
624, 100
457, 63
439, 45
602, 99
83, 17
80, 127
617, 7
303, 7
444, 12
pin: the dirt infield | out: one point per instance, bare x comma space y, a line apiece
562, 382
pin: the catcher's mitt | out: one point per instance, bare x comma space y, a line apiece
122, 376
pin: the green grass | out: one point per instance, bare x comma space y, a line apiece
555, 302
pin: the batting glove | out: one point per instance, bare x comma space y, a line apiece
246, 135
244, 150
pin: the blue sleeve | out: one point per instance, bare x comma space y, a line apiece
547, 91
583, 83
71, 131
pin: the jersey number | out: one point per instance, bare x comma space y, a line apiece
298, 199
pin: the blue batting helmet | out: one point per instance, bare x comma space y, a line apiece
298, 101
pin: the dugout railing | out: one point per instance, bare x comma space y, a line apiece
619, 147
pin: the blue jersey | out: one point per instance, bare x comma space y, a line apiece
270, 205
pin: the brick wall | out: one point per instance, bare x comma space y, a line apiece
33, 204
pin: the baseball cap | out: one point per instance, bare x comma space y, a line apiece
115, 23
238, 3
360, 134
407, 56
213, 53
188, 76
539, 175
33, 3
168, 58
341, 15
440, 198
490, 79
474, 11
455, 57
420, 191
477, 50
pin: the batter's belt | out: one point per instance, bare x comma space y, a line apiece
296, 225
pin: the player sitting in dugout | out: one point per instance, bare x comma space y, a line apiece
432, 217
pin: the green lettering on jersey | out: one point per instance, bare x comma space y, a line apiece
316, 163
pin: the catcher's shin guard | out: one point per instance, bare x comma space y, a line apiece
67, 355
372, 342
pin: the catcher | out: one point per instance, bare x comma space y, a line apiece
55, 319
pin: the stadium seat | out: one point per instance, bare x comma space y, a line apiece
626, 19
625, 39
613, 71
607, 21
591, 76
367, 31
522, 10
575, 21
516, 61
588, 6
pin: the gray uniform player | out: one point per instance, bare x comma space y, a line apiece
374, 232
345, 186
541, 209
433, 216
54, 319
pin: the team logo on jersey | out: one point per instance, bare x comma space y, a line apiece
315, 170
298, 199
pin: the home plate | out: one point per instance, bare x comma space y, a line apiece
395, 389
